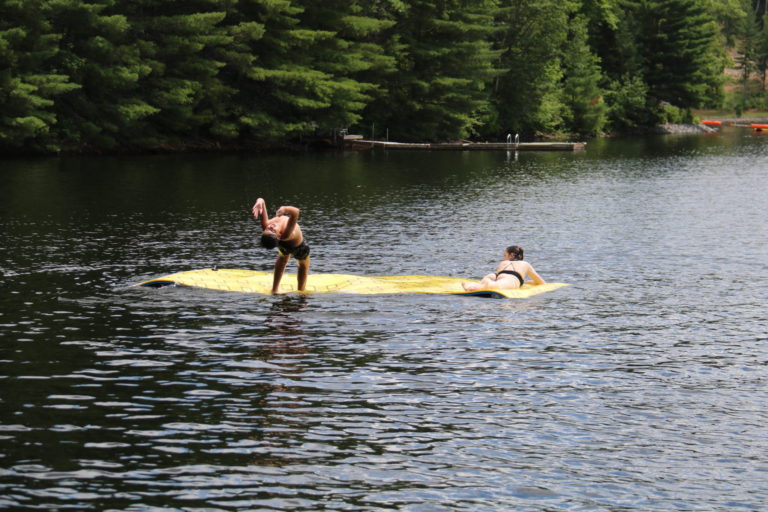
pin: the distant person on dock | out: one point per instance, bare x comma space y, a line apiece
510, 273
283, 231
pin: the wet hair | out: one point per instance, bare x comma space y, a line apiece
268, 241
515, 251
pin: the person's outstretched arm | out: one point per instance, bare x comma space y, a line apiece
535, 277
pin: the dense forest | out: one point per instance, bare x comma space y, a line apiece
136, 75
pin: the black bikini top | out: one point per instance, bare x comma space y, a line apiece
514, 273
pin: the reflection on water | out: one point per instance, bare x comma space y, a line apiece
641, 386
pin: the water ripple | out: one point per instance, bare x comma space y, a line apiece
639, 387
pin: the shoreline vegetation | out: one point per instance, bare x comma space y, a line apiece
102, 76
311, 144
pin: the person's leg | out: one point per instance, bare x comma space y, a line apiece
303, 273
280, 264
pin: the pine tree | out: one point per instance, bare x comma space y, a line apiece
302, 67
349, 58
97, 54
677, 42
444, 62
610, 36
240, 116
178, 44
29, 79
729, 15
279, 90
585, 107
762, 51
527, 95
760, 43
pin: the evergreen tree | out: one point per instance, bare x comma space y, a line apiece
300, 67
607, 36
583, 98
280, 91
240, 117
527, 94
97, 54
151, 73
178, 44
750, 58
350, 57
762, 52
612, 34
677, 42
444, 62
758, 37
729, 15
29, 78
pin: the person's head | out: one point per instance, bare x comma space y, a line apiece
514, 252
268, 241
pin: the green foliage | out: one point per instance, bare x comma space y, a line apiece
751, 58
94, 51
627, 99
29, 82
148, 74
612, 36
584, 104
675, 41
730, 14
178, 45
667, 113
293, 72
444, 62
529, 38
351, 59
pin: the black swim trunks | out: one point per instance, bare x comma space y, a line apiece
300, 252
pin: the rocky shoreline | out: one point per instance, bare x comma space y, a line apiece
674, 129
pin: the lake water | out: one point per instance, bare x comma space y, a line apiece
642, 386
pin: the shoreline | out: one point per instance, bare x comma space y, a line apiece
323, 144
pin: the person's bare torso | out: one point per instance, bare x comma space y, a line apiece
277, 226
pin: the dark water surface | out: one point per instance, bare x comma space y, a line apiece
640, 387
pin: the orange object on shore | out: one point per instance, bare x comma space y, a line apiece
759, 126
712, 123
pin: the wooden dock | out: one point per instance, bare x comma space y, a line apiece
354, 143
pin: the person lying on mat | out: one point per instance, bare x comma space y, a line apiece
510, 273
283, 231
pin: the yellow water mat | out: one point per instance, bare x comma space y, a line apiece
252, 281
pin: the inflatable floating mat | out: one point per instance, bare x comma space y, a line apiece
251, 281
